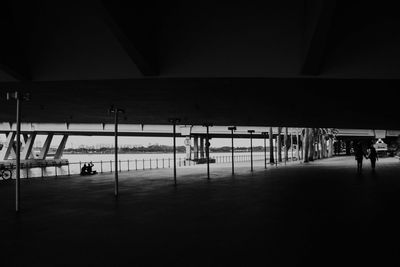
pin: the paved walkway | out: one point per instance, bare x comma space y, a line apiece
319, 214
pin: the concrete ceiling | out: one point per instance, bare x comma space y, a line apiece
288, 63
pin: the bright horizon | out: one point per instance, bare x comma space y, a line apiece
108, 141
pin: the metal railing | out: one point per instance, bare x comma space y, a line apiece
29, 170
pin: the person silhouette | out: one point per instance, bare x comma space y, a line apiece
373, 156
359, 156
89, 168
84, 169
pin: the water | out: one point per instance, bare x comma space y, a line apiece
105, 162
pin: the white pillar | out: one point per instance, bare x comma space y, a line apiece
46, 146
196, 148
187, 146
60, 149
27, 151
8, 146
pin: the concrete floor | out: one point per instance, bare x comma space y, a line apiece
319, 214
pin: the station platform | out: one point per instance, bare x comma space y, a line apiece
316, 214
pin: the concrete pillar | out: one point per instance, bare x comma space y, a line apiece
297, 146
279, 144
271, 145
330, 147
202, 147
188, 150
27, 151
195, 147
8, 146
306, 145
60, 149
46, 147
286, 144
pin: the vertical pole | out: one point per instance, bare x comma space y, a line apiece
17, 184
233, 128
271, 146
251, 148
116, 152
291, 144
276, 151
174, 129
101, 166
208, 153
265, 150
297, 146
233, 162
251, 151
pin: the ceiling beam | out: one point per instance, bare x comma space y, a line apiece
128, 34
320, 17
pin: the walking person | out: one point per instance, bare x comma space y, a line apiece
373, 156
359, 155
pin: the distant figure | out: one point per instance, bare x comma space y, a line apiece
84, 169
359, 155
373, 156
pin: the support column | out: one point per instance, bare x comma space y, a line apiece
188, 150
207, 125
195, 148
265, 149
251, 148
291, 144
279, 144
8, 146
297, 146
286, 141
27, 151
330, 151
46, 146
201, 147
306, 145
60, 149
116, 112
271, 146
232, 129
174, 121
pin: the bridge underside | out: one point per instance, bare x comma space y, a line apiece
293, 102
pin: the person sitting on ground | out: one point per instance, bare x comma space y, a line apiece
84, 169
89, 168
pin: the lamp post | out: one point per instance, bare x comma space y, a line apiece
208, 125
116, 112
174, 121
19, 97
251, 148
232, 129
265, 149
